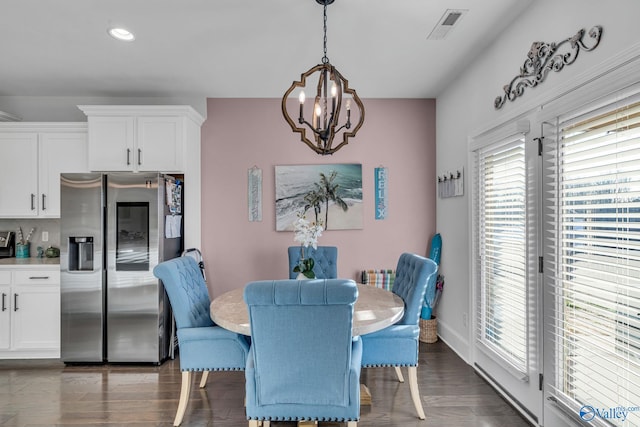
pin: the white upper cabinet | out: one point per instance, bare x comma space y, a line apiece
111, 144
59, 152
33, 156
139, 138
19, 187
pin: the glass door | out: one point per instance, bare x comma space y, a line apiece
506, 279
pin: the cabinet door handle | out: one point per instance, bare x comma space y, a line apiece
15, 302
4, 302
139, 157
44, 207
38, 277
33, 202
128, 156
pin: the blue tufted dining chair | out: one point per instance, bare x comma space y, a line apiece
397, 345
325, 260
304, 363
203, 345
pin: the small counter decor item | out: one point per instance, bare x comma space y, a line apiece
52, 252
306, 233
23, 246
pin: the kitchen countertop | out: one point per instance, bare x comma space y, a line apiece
30, 262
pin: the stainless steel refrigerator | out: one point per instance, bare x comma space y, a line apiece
114, 229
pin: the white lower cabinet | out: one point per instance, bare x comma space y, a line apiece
30, 313
5, 313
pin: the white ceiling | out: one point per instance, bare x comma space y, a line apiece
237, 48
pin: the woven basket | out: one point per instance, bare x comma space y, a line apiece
429, 330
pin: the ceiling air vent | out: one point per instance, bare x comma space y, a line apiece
450, 18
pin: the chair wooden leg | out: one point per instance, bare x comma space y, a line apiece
352, 424
399, 374
185, 390
415, 394
254, 423
203, 380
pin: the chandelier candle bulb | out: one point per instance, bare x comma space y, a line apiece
334, 93
348, 125
318, 114
301, 98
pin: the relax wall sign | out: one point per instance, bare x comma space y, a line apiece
380, 174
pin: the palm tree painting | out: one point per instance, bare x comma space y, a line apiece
330, 194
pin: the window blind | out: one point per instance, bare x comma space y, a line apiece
592, 260
501, 248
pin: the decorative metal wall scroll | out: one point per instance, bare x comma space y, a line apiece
544, 57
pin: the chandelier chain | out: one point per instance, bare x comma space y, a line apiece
325, 59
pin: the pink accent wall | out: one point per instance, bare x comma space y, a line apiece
241, 133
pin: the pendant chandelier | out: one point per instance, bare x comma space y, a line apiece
333, 104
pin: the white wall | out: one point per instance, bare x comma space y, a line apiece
64, 108
466, 108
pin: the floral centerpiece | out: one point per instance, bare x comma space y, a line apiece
306, 233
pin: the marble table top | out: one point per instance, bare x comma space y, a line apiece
374, 309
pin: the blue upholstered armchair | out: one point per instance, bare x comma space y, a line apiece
203, 346
325, 261
304, 363
397, 345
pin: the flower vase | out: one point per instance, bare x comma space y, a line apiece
23, 251
301, 276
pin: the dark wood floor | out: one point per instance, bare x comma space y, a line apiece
48, 393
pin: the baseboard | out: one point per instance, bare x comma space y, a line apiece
455, 341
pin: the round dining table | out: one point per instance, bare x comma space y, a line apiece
375, 309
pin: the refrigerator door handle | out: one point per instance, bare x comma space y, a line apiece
139, 157
128, 156
4, 302
15, 302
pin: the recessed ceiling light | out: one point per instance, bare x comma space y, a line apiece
121, 34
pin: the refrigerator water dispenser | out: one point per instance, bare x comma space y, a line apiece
80, 253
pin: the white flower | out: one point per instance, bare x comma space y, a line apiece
306, 233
